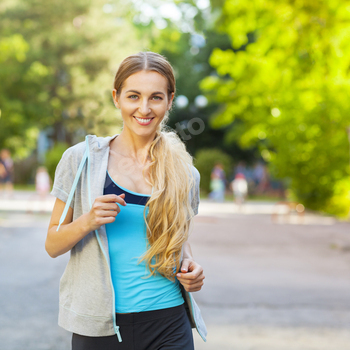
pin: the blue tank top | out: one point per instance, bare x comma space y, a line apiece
127, 242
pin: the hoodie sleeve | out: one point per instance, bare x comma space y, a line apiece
65, 173
195, 191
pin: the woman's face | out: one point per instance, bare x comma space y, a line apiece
143, 102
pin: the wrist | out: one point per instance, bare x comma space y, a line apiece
85, 224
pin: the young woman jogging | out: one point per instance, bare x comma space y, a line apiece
126, 223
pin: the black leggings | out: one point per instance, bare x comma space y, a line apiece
166, 329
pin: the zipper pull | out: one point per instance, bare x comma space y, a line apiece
118, 334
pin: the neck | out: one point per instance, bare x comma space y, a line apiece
132, 146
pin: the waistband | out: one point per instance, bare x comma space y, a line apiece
145, 316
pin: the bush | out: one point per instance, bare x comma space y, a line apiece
53, 156
205, 160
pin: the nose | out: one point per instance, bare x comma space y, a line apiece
144, 107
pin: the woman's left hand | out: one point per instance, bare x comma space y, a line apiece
191, 275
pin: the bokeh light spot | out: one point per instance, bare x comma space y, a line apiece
275, 112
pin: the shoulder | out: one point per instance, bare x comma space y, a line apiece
195, 178
195, 173
99, 143
94, 142
73, 153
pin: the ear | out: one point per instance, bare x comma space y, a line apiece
115, 98
171, 101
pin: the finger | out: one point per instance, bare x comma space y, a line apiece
108, 220
185, 265
193, 284
190, 275
193, 288
110, 206
115, 209
99, 221
106, 213
194, 267
188, 285
110, 198
107, 198
121, 200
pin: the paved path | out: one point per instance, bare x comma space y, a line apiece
269, 286
273, 286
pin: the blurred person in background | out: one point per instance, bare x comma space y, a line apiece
2, 174
131, 267
239, 186
217, 183
6, 172
261, 178
42, 187
42, 182
241, 168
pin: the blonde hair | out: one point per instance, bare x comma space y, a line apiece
148, 61
170, 173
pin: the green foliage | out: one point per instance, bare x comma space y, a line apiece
188, 43
285, 84
53, 156
57, 61
339, 203
206, 159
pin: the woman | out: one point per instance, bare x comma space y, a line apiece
128, 224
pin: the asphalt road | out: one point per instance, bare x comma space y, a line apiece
268, 286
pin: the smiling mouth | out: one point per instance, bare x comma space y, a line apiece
143, 121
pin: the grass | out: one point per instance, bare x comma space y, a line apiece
21, 187
265, 198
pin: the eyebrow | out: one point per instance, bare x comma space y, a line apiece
153, 93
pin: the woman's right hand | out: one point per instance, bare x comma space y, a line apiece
104, 210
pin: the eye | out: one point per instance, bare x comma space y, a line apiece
157, 98
133, 97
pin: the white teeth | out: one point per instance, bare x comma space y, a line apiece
143, 121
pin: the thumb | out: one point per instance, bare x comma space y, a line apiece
185, 265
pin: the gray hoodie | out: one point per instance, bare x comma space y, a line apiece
86, 303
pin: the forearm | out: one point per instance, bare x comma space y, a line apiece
63, 240
103, 211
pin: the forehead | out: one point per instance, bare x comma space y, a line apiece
146, 81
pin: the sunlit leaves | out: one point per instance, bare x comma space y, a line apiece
58, 61
290, 76
13, 46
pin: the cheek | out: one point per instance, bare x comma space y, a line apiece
161, 108
127, 106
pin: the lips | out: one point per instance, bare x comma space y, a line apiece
144, 121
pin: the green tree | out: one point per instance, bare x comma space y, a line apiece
13, 52
284, 86
57, 65
187, 38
